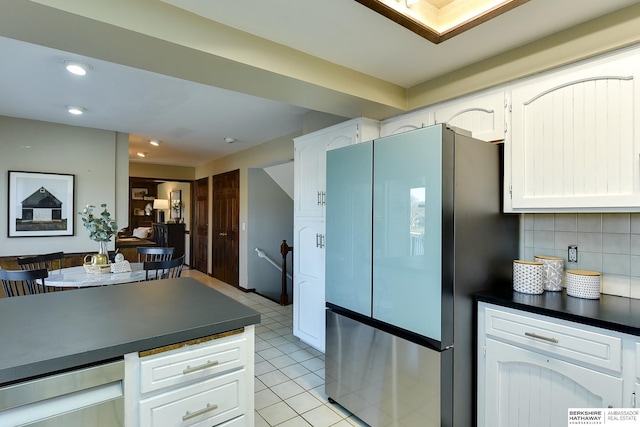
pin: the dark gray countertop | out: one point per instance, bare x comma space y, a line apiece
610, 312
46, 333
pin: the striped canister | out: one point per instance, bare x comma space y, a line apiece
552, 272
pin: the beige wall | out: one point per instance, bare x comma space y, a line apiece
272, 152
146, 170
97, 158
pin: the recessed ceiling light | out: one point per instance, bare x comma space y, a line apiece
75, 110
141, 154
154, 142
230, 140
77, 68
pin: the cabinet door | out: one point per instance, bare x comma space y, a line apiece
529, 389
575, 138
308, 285
310, 163
407, 122
483, 116
308, 177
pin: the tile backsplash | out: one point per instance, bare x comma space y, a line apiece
607, 243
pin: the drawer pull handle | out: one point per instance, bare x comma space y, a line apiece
204, 410
540, 337
209, 364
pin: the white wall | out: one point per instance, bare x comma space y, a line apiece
97, 158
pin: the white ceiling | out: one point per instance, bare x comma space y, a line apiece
192, 119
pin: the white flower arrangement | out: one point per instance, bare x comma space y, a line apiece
176, 205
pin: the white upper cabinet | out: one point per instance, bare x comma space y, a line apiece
574, 144
310, 160
407, 122
483, 116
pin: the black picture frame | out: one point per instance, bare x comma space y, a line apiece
41, 204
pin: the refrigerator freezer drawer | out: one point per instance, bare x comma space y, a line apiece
383, 379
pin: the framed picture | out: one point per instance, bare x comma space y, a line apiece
175, 203
138, 212
41, 204
139, 193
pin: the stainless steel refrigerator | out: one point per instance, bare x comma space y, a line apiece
413, 229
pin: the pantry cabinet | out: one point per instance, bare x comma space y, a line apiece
309, 221
308, 294
310, 161
575, 140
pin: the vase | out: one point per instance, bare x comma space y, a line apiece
103, 254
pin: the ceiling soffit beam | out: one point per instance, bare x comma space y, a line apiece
160, 38
604, 34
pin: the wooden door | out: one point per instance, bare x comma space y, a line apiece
201, 225
225, 238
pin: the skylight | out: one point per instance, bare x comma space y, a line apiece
439, 20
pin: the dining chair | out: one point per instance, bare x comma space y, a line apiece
169, 269
51, 261
23, 282
154, 253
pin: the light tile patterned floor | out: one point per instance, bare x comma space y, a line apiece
289, 374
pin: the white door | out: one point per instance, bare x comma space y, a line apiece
524, 388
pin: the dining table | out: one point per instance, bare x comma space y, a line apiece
79, 277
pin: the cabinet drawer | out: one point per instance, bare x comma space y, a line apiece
569, 340
196, 362
236, 422
206, 403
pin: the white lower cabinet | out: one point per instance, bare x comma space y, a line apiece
308, 286
207, 383
532, 368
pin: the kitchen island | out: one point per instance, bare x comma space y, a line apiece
48, 335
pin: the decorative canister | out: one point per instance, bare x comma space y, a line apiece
583, 284
527, 277
552, 272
